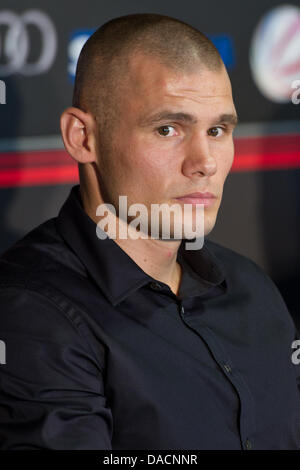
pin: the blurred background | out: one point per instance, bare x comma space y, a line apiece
260, 45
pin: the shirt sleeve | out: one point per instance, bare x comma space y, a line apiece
51, 385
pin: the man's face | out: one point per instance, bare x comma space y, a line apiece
156, 161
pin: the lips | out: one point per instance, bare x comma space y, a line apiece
198, 195
206, 198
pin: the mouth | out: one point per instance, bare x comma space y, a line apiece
207, 199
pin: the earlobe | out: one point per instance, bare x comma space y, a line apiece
77, 134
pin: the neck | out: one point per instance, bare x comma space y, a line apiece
156, 257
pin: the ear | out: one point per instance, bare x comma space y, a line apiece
79, 130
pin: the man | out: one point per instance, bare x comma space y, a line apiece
123, 343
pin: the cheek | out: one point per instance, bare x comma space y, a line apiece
227, 164
142, 173
226, 160
151, 160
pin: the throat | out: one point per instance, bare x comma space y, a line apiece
175, 285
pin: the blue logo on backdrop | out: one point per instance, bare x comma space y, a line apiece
223, 43
77, 41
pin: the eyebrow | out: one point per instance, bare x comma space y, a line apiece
229, 118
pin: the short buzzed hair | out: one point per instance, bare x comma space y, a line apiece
101, 67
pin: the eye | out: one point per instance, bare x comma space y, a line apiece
164, 129
213, 131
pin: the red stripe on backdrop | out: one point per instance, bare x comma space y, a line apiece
267, 153
268, 144
39, 176
47, 167
266, 162
35, 158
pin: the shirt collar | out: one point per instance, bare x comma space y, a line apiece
115, 272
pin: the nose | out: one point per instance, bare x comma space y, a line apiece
199, 159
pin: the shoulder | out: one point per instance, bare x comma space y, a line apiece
40, 254
235, 264
31, 276
247, 280
34, 301
25, 310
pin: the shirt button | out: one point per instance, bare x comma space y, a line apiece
155, 285
248, 444
227, 367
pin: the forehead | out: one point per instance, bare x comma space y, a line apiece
150, 83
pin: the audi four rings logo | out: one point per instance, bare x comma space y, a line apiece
15, 43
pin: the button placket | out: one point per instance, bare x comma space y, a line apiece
154, 285
227, 367
248, 416
248, 444
181, 309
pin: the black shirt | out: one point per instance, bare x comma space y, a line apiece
100, 355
